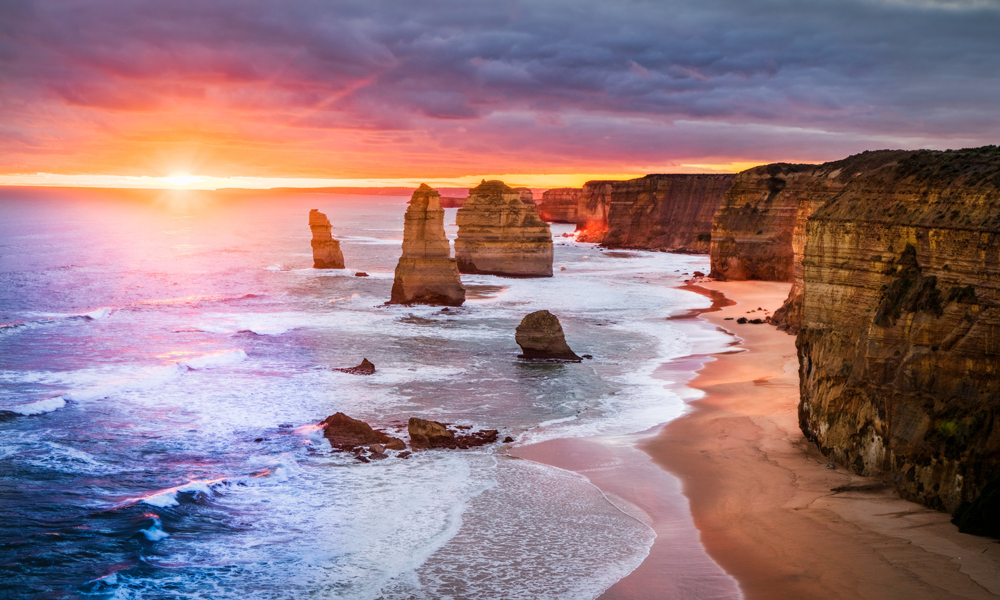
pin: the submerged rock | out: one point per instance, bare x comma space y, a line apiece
326, 250
500, 234
426, 273
346, 433
541, 336
365, 368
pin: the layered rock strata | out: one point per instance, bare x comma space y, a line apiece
426, 273
527, 196
559, 205
498, 234
671, 213
899, 346
326, 250
541, 336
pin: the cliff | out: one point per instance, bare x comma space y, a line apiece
498, 234
527, 196
671, 213
752, 230
592, 207
326, 250
559, 205
426, 273
899, 346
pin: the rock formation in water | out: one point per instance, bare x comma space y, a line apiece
671, 213
345, 433
527, 196
365, 368
899, 346
541, 336
559, 205
592, 211
426, 273
431, 434
326, 250
498, 234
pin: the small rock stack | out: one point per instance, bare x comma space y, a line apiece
326, 250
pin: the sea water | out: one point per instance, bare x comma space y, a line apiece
164, 361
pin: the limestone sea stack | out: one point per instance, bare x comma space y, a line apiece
541, 336
499, 234
592, 207
899, 346
426, 273
559, 205
326, 250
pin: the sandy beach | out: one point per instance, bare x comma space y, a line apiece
769, 509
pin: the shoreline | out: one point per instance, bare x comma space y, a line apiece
761, 496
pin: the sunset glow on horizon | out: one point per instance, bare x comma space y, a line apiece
370, 94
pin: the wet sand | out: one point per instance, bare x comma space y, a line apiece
761, 496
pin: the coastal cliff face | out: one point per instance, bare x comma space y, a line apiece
326, 250
672, 213
752, 230
899, 347
426, 273
498, 234
559, 205
592, 211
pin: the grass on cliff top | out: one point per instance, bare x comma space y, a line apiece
970, 167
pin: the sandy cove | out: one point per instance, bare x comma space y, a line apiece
768, 507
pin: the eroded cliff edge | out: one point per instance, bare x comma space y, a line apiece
899, 346
672, 213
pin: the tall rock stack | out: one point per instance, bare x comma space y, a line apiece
559, 205
498, 234
527, 196
326, 250
426, 273
899, 346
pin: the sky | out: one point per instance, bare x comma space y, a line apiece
255, 93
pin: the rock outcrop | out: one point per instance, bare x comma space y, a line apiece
541, 336
559, 205
899, 346
671, 213
426, 273
365, 368
431, 434
345, 433
592, 211
527, 196
498, 234
326, 250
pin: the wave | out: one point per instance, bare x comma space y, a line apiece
40, 407
153, 379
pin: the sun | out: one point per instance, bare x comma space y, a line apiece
182, 180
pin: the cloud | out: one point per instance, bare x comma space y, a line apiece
346, 88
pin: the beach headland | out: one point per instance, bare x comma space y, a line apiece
777, 519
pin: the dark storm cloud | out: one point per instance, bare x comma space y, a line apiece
893, 68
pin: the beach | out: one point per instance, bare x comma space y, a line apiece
769, 508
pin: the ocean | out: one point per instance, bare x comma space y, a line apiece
165, 358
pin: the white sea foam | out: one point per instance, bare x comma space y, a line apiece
100, 313
155, 531
221, 359
40, 407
